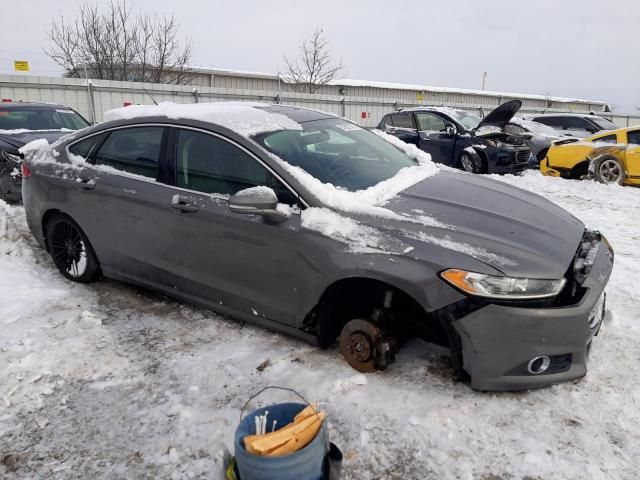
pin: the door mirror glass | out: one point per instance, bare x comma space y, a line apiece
257, 201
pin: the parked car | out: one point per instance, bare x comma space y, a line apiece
461, 139
539, 137
308, 224
21, 123
610, 157
574, 124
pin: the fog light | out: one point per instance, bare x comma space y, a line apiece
538, 365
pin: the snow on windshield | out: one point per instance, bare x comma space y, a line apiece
244, 118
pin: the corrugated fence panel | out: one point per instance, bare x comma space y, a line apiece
362, 104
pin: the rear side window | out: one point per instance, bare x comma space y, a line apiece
633, 137
402, 120
210, 164
133, 150
386, 121
607, 139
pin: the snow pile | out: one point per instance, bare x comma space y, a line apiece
244, 118
83, 364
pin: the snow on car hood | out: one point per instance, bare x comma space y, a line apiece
516, 232
501, 115
244, 118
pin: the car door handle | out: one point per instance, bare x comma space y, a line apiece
182, 204
85, 183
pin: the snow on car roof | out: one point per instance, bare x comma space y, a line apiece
244, 118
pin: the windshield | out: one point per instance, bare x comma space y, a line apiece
466, 119
603, 123
337, 152
40, 119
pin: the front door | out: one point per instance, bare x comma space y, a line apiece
237, 260
434, 138
633, 154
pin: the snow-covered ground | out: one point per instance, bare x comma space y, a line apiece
108, 381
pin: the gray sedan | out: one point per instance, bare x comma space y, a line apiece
307, 224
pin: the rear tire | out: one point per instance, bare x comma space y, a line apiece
70, 250
608, 169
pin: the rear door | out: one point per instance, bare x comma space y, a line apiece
434, 138
404, 127
633, 154
124, 199
236, 260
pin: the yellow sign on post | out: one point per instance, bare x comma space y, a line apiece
21, 65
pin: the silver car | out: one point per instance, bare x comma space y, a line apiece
281, 216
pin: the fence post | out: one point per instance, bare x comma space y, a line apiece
92, 105
196, 95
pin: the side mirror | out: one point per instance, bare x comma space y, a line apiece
257, 201
450, 130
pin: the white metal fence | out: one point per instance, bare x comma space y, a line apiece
93, 98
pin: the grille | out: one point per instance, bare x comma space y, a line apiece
522, 156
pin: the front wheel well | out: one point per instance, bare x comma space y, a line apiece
367, 298
580, 170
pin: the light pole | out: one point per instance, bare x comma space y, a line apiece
484, 79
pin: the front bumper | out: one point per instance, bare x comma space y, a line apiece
498, 341
509, 160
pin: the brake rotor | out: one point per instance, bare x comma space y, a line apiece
358, 343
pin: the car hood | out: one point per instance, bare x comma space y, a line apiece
19, 138
501, 115
514, 231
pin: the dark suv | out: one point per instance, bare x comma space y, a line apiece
461, 139
574, 124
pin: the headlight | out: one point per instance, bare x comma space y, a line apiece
495, 143
507, 288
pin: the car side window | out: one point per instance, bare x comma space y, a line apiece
86, 148
402, 120
607, 139
430, 123
633, 137
554, 122
210, 164
134, 150
386, 121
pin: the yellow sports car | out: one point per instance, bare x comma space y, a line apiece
612, 156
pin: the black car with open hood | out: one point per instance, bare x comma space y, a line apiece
461, 139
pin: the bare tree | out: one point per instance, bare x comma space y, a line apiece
117, 45
315, 67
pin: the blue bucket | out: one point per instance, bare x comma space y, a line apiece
305, 464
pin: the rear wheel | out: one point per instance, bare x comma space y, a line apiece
70, 249
608, 170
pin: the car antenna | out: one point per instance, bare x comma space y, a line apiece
150, 96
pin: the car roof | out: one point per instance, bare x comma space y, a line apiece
545, 115
32, 105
